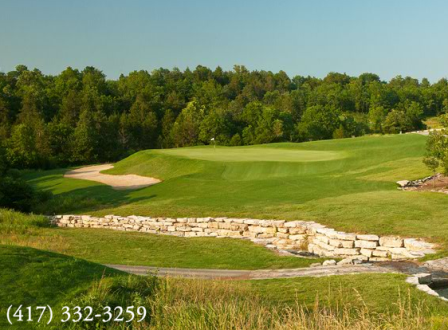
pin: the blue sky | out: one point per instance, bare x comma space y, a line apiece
314, 37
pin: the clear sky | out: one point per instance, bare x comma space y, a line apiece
313, 37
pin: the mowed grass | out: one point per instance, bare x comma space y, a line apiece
34, 277
252, 154
356, 192
31, 277
132, 248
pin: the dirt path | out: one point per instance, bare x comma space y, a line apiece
117, 182
256, 274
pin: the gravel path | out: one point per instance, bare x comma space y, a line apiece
117, 182
256, 274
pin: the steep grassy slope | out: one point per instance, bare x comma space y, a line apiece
38, 278
112, 247
35, 277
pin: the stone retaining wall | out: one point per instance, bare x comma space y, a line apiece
274, 234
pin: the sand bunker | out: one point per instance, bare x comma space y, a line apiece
117, 182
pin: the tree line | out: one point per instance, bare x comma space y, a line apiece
81, 117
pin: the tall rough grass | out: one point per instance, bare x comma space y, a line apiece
20, 223
218, 305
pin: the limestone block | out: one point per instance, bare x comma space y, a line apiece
228, 233
224, 225
329, 263
249, 234
397, 256
201, 225
346, 261
191, 220
360, 259
366, 252
190, 234
341, 244
404, 253
197, 229
184, 229
265, 235
322, 238
413, 244
378, 259
214, 225
293, 224
269, 230
348, 252
182, 220
325, 231
403, 183
366, 244
391, 241
279, 223
324, 246
368, 237
284, 242
265, 223
283, 230
203, 220
236, 226
345, 236
297, 237
251, 221
297, 230
312, 229
381, 254
282, 235
255, 229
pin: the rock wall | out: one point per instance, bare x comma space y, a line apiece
274, 234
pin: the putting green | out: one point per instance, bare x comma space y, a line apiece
251, 154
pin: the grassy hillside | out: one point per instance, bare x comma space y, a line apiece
113, 247
35, 277
355, 190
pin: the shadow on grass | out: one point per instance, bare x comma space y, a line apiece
87, 199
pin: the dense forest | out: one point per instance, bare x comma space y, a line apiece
82, 117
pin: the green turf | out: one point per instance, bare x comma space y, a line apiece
252, 154
132, 248
356, 192
34, 278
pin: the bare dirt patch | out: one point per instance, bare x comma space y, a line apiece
117, 182
437, 183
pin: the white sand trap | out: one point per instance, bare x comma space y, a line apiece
117, 182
